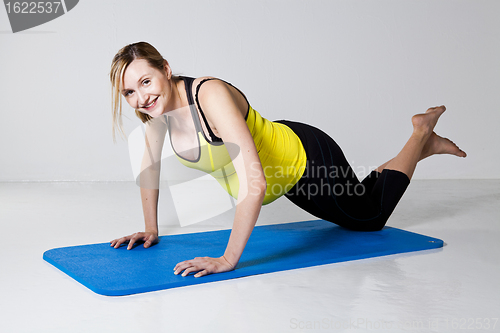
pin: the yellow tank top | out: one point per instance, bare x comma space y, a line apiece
280, 150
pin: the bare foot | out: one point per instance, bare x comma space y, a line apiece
439, 145
424, 123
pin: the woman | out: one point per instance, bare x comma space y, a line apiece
273, 158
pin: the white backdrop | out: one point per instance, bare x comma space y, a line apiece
365, 68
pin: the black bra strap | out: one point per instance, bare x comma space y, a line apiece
188, 85
212, 135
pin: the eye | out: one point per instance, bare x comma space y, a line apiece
128, 92
146, 82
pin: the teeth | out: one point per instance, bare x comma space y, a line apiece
147, 106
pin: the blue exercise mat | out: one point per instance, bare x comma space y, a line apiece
271, 248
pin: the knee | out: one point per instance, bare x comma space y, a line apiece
374, 225
377, 224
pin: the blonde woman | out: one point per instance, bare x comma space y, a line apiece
203, 115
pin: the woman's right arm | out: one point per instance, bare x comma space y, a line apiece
149, 181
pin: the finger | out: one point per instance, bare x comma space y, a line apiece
181, 266
185, 265
182, 263
202, 273
119, 242
177, 265
189, 270
116, 244
132, 240
148, 241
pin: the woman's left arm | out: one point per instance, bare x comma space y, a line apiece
221, 109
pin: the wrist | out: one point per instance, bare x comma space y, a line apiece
230, 264
152, 231
231, 260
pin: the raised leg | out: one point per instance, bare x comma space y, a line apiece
423, 142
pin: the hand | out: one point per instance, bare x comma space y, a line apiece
203, 266
149, 238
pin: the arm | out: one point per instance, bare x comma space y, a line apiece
250, 196
221, 109
149, 181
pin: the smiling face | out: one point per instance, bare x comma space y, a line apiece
147, 89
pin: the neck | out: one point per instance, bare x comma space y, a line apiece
176, 96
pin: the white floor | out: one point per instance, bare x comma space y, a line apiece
450, 289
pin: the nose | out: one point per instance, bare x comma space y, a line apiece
142, 99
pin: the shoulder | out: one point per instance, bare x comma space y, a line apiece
208, 85
216, 93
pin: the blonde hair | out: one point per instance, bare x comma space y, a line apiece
121, 60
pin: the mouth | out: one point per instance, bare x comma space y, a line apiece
151, 105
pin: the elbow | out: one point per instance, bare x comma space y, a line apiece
258, 187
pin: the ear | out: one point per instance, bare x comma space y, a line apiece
168, 70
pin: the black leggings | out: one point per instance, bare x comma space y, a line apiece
330, 190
